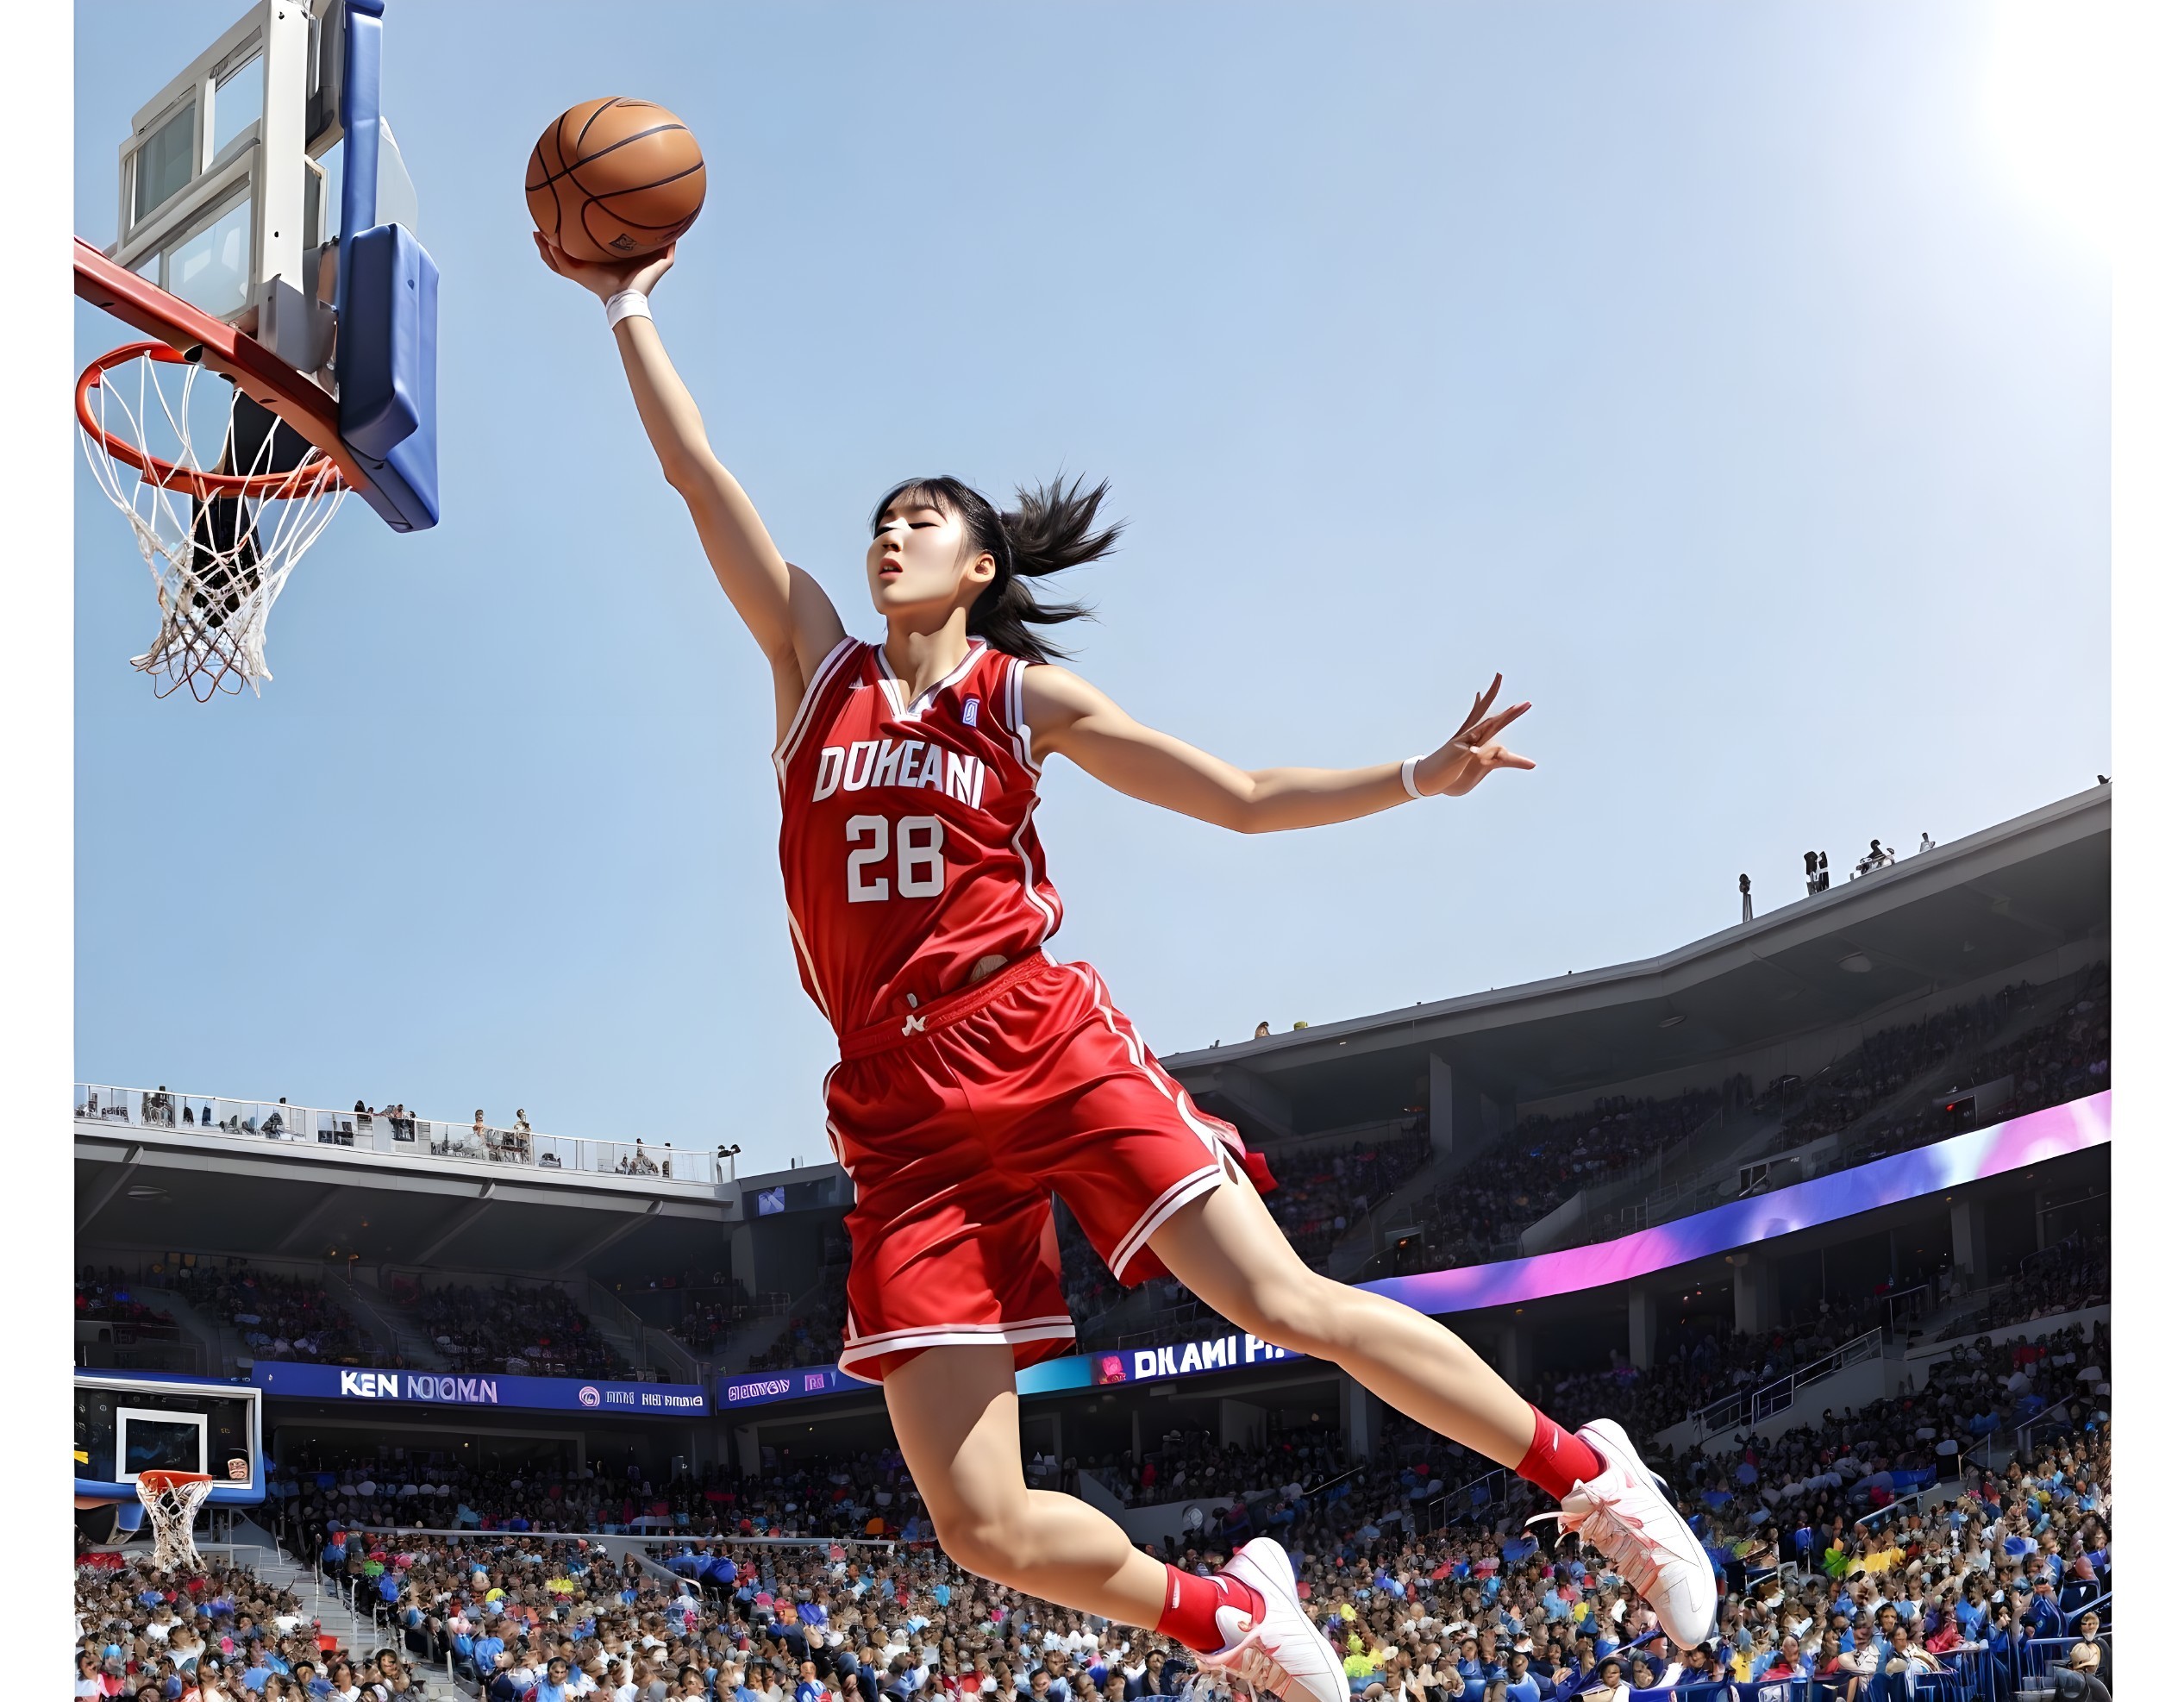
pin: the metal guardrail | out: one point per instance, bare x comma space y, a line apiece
424, 1139
643, 1538
1748, 1408
1489, 1489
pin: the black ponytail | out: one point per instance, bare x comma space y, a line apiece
1050, 530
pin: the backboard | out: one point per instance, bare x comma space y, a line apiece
253, 234
127, 1423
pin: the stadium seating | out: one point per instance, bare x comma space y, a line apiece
529, 1330
1480, 1215
219, 1632
1417, 1562
275, 1317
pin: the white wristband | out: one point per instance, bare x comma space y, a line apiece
627, 305
1410, 775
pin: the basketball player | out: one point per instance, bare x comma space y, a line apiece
979, 1076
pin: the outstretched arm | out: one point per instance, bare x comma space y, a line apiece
792, 619
1070, 715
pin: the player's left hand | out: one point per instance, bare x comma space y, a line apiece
1475, 751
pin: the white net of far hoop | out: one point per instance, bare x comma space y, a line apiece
221, 498
170, 1502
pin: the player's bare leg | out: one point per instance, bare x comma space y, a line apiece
954, 1412
954, 1415
1228, 1251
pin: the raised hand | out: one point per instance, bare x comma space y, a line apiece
603, 281
1474, 751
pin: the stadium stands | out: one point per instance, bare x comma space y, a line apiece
1481, 1214
1826, 1539
276, 1318
814, 1333
1941, 1460
218, 1635
529, 1330
109, 1298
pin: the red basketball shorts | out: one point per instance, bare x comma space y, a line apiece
955, 1133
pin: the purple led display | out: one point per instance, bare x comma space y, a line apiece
2037, 1136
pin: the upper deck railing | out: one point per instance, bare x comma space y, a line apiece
255, 1121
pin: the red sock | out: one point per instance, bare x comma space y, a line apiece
1556, 1459
1187, 1605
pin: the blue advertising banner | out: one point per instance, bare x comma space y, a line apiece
481, 1389
1151, 1365
1079, 1371
757, 1388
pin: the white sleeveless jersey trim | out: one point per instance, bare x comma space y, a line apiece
1012, 713
1030, 881
830, 665
907, 710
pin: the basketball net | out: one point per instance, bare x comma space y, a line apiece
170, 1502
220, 539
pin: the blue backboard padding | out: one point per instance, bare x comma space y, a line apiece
388, 362
387, 300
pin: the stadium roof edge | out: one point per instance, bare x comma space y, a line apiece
1865, 902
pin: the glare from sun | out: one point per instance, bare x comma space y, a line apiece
2052, 109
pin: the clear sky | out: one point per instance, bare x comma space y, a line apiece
1733, 380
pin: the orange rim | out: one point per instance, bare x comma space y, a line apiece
316, 469
162, 1479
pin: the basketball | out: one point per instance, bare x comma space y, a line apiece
614, 179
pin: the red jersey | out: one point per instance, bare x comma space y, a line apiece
907, 848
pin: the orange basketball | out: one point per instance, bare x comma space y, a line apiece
614, 179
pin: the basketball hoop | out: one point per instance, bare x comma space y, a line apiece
170, 1502
220, 539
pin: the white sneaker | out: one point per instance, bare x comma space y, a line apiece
1627, 1514
1282, 1653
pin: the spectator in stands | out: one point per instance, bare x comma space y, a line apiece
278, 1317
536, 1331
2089, 1655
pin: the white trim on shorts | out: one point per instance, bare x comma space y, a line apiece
1178, 1195
1050, 1329
1181, 1193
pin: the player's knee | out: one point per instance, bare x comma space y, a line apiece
987, 1542
1293, 1309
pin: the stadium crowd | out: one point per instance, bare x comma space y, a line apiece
217, 1634
708, 1320
2065, 1058
1479, 1214
537, 1331
1883, 1063
1322, 1194
1869, 1542
278, 1318
1831, 1564
813, 1334
110, 1298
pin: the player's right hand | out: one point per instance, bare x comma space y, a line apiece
603, 281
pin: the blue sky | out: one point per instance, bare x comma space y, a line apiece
1712, 373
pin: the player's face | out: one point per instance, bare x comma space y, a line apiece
917, 561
